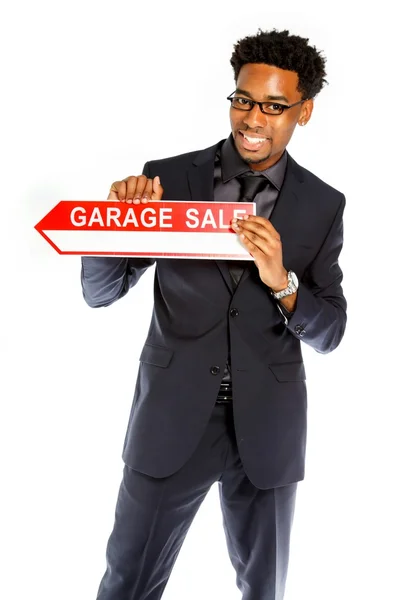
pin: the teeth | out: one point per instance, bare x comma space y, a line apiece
254, 140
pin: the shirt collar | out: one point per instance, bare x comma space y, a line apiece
232, 165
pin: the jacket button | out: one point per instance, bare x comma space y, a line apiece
215, 370
234, 312
299, 330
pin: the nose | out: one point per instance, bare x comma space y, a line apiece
255, 118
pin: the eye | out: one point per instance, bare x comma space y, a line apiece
241, 101
274, 108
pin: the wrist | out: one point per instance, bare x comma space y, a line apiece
282, 285
289, 289
289, 302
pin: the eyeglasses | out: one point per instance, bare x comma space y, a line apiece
268, 108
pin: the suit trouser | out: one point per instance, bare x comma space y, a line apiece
153, 517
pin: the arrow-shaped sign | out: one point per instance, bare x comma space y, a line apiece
156, 229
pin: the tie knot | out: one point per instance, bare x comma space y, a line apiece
250, 186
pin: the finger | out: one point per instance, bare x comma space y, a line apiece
251, 221
130, 188
118, 191
269, 247
141, 182
252, 248
259, 228
148, 190
158, 190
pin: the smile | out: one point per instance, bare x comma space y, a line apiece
249, 142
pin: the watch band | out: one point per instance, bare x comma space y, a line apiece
290, 289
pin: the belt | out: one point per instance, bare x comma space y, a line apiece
224, 394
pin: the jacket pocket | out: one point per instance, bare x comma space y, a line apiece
293, 371
156, 355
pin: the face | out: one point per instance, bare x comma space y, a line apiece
266, 83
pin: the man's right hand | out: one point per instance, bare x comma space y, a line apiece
134, 190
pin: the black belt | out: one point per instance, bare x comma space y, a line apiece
224, 394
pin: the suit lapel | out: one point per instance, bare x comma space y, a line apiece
201, 176
201, 185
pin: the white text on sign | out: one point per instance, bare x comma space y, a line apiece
149, 218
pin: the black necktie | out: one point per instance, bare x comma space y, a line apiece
249, 186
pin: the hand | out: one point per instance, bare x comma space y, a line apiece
136, 190
263, 242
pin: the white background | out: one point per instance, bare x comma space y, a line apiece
92, 90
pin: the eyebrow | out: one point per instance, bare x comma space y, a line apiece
272, 98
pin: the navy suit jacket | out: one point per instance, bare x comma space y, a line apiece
182, 360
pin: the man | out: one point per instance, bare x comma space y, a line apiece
220, 393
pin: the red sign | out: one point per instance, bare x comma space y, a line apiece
155, 229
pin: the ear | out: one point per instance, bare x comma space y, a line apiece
306, 112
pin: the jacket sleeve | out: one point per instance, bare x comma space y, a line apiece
106, 279
319, 319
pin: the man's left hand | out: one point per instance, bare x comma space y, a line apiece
263, 242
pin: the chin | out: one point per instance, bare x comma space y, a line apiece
255, 160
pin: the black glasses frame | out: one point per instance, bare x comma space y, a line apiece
252, 103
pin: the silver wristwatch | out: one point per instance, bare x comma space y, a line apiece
290, 289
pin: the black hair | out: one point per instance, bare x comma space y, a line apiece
285, 51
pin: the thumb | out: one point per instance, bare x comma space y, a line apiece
113, 194
158, 190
